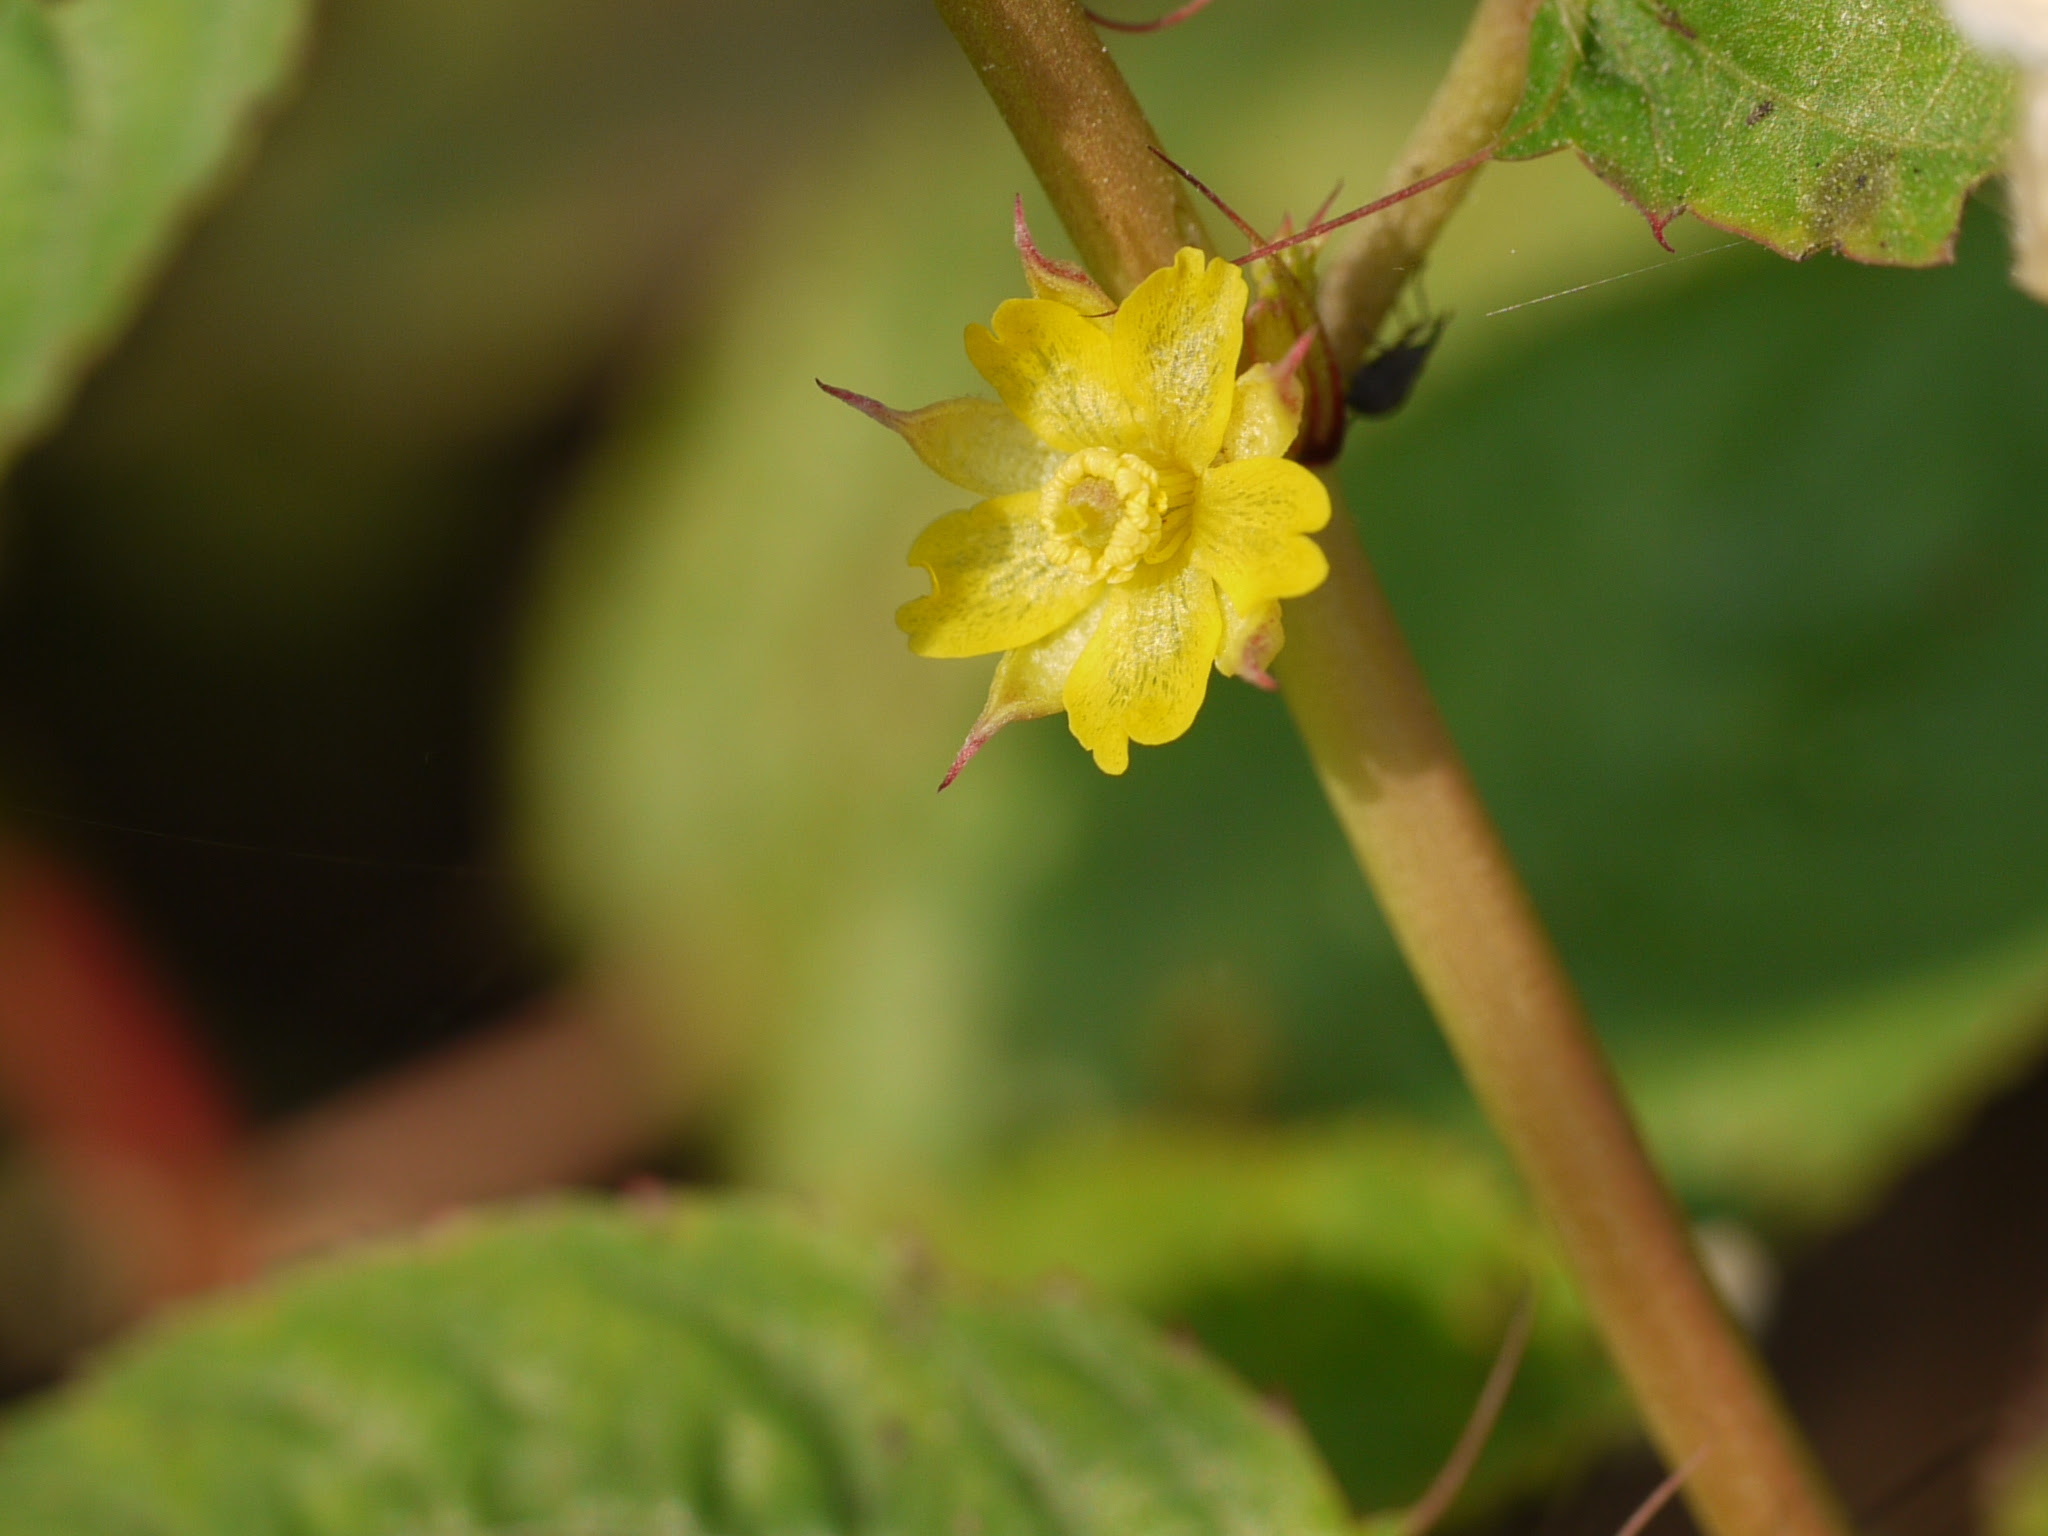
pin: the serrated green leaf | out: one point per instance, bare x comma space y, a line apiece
1806, 125
589, 1371
114, 115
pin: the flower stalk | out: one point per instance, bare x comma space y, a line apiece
1403, 795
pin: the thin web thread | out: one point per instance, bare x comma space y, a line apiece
1601, 282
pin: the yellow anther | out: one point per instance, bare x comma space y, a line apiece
1105, 513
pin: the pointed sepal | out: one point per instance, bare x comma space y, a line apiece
1060, 281
979, 445
1030, 683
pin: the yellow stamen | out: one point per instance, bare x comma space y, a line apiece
1105, 513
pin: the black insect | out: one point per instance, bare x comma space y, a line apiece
1384, 381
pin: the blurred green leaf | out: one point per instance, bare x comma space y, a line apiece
1802, 1117
1736, 602
1730, 579
1731, 582
1739, 609
594, 1372
1363, 1271
114, 117
1802, 124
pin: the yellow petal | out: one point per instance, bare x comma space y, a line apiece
992, 587
1145, 670
1053, 370
1250, 522
1028, 684
1251, 639
1176, 340
977, 444
1264, 417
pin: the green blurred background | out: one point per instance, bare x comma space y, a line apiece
451, 598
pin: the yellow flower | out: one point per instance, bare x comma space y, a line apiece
1141, 523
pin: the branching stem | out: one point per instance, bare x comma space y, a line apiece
1478, 93
1401, 790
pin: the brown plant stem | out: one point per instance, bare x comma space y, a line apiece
1478, 93
1495, 984
1421, 1517
1406, 802
1071, 112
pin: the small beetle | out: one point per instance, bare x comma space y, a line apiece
1384, 381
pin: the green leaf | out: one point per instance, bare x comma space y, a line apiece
114, 116
1326, 1264
588, 1371
1802, 1117
1801, 124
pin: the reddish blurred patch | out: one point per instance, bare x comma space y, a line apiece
102, 1074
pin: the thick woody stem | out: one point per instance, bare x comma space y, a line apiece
1361, 281
1401, 791
1072, 113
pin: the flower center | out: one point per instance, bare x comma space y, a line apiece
1105, 513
